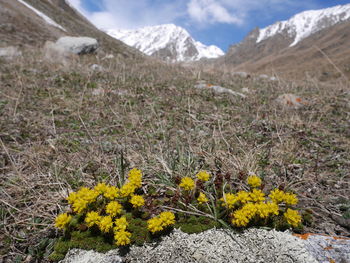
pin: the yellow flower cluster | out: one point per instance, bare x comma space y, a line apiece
229, 200
92, 218
279, 196
105, 224
81, 199
203, 175
111, 192
202, 198
62, 220
100, 206
121, 236
160, 222
121, 224
113, 208
254, 181
242, 217
257, 196
292, 216
137, 201
134, 181
187, 183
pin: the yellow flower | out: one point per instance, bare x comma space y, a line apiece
89, 195
242, 216
277, 196
290, 199
167, 218
121, 224
229, 200
79, 205
113, 208
187, 183
203, 175
137, 201
254, 181
135, 177
257, 196
72, 197
127, 189
155, 224
101, 188
202, 198
111, 192
292, 216
240, 219
122, 237
105, 223
243, 197
62, 220
262, 210
273, 208
92, 218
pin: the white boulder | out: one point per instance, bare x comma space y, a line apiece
78, 45
10, 52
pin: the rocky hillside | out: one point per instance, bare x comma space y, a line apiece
297, 42
168, 42
31, 23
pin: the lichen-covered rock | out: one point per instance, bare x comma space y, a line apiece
254, 245
223, 245
84, 256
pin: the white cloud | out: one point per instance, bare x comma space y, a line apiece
210, 11
129, 14
239, 12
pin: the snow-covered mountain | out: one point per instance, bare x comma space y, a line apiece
295, 33
306, 23
168, 42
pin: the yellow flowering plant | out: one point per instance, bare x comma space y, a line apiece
240, 208
127, 214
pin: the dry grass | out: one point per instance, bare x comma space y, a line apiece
56, 135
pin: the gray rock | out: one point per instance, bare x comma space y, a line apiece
327, 248
217, 89
10, 52
83, 256
96, 67
242, 74
78, 45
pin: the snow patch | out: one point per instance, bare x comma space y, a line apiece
42, 15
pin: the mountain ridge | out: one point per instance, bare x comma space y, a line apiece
296, 51
167, 42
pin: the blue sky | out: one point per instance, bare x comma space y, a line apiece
212, 22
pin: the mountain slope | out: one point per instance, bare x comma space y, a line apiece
168, 42
293, 47
31, 23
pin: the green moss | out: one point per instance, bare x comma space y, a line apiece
56, 256
83, 240
194, 224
